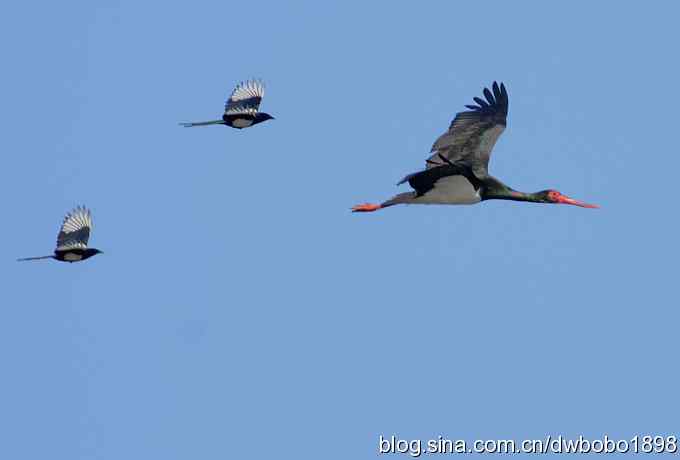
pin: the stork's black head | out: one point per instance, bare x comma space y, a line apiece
546, 196
555, 197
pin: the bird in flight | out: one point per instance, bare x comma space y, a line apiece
457, 171
72, 238
241, 109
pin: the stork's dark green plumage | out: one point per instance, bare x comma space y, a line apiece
457, 172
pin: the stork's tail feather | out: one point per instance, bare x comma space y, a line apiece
35, 258
203, 123
406, 197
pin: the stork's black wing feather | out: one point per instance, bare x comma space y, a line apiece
423, 181
473, 133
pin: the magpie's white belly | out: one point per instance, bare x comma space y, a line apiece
241, 123
71, 257
451, 190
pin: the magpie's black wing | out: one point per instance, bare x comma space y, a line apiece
245, 99
75, 230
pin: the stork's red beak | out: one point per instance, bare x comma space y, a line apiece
566, 200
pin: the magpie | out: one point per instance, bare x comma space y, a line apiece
72, 238
241, 109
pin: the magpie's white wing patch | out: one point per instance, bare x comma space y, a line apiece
75, 230
245, 99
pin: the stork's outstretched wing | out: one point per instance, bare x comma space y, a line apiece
75, 231
245, 99
473, 133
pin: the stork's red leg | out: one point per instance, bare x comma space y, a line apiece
366, 207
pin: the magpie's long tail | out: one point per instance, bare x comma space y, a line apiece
203, 123
35, 258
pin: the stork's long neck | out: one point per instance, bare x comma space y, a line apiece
509, 194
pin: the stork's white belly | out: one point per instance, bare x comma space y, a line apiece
241, 123
71, 257
451, 190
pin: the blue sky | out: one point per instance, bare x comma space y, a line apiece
241, 311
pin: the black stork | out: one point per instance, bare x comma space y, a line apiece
242, 107
457, 171
72, 238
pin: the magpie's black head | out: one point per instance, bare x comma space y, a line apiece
261, 116
94, 251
